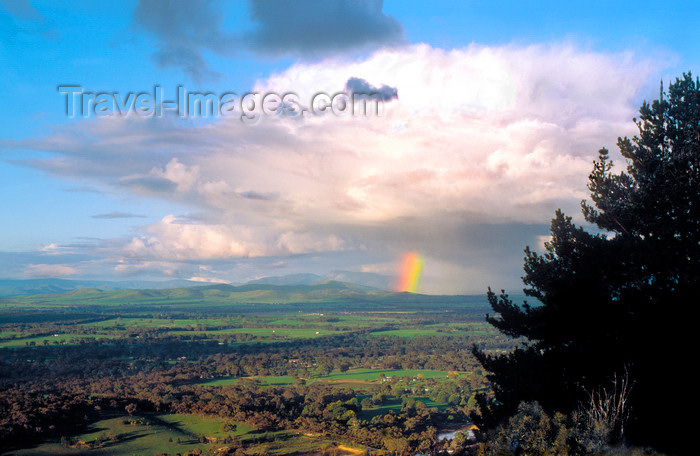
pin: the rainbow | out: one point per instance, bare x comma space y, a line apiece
411, 268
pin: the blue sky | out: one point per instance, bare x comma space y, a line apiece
501, 109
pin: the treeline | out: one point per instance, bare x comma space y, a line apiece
299, 357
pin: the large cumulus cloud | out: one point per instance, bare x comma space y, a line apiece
479, 149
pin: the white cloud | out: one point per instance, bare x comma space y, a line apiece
178, 240
500, 135
50, 270
206, 279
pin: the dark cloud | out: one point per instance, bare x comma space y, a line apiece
188, 58
150, 184
117, 215
260, 196
320, 27
184, 29
360, 86
84, 189
464, 252
22, 23
21, 9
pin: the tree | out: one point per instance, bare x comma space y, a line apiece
616, 299
531, 431
131, 409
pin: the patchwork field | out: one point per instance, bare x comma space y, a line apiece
394, 405
353, 378
328, 368
127, 435
241, 329
174, 434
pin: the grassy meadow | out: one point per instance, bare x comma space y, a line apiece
172, 434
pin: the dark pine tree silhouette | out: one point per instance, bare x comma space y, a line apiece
619, 299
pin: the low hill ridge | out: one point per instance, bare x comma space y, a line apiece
328, 292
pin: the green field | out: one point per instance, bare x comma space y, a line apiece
67, 339
351, 321
270, 380
162, 322
353, 376
210, 328
374, 374
277, 333
173, 434
394, 404
415, 333
125, 435
476, 328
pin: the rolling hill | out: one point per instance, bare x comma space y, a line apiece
325, 294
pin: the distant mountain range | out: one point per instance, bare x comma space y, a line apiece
368, 279
319, 297
12, 287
